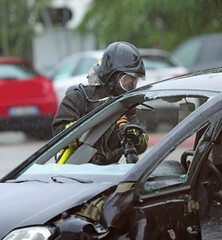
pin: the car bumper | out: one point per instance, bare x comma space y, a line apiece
26, 123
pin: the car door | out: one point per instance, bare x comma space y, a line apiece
174, 199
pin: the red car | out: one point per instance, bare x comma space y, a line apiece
27, 99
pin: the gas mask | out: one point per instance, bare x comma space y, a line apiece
124, 83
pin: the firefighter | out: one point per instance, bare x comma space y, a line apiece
117, 72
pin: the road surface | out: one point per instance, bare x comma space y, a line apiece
15, 148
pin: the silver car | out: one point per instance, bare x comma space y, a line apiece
73, 70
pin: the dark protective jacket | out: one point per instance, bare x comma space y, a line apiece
75, 105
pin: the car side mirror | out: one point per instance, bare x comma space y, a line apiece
185, 109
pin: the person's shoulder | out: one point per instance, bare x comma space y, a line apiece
72, 89
78, 88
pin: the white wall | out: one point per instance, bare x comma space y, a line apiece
50, 45
78, 8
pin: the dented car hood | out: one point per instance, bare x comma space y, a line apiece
33, 203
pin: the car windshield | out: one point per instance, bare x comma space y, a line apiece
65, 70
157, 62
16, 71
43, 165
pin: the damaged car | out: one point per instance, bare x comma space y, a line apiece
171, 191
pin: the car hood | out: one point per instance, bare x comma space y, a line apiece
33, 203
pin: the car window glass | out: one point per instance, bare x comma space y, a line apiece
184, 159
158, 118
66, 70
187, 54
165, 115
174, 168
157, 123
16, 71
85, 65
211, 51
157, 62
84, 170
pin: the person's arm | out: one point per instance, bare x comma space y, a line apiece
71, 109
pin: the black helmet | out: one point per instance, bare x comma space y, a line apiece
119, 57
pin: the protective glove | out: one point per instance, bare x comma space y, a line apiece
130, 131
65, 153
134, 133
76, 143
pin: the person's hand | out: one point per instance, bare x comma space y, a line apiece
131, 132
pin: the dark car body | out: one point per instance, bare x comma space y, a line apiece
161, 196
27, 99
200, 52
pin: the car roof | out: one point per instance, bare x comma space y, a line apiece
98, 53
210, 79
91, 53
207, 36
14, 60
201, 38
153, 51
206, 51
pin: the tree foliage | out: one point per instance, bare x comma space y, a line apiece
145, 23
17, 21
151, 23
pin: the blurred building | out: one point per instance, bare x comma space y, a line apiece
55, 36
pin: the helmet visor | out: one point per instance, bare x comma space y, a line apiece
137, 75
93, 79
128, 82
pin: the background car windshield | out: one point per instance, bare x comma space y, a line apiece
74, 67
16, 71
85, 65
66, 70
157, 62
193, 47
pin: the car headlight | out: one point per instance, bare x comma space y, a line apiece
30, 233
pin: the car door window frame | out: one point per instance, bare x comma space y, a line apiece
141, 194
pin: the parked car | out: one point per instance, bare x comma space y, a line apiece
173, 191
200, 52
74, 69
159, 65
27, 99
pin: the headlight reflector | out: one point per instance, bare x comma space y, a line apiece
29, 233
